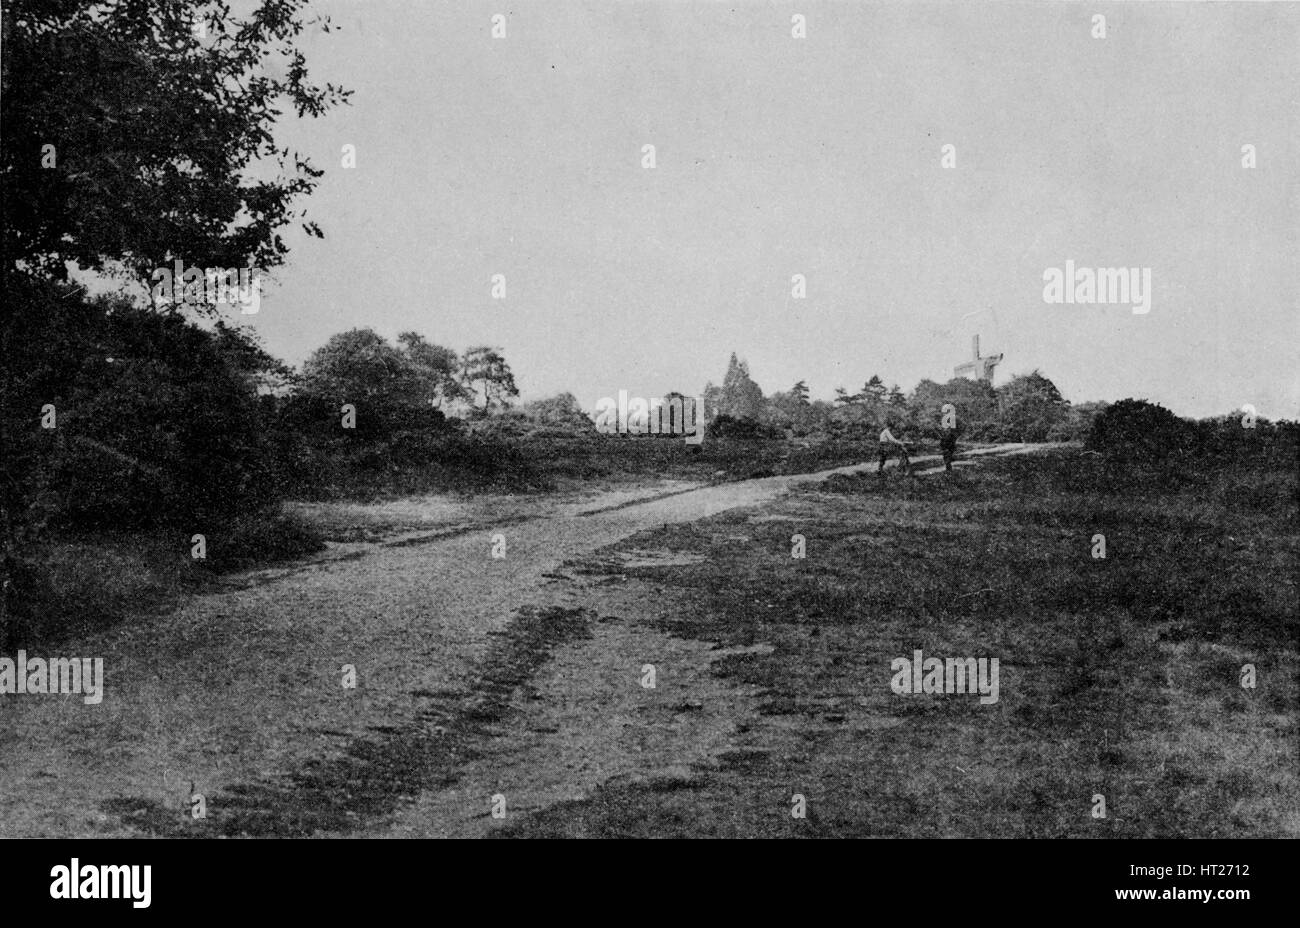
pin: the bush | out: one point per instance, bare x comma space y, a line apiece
1140, 432
156, 420
254, 541
725, 426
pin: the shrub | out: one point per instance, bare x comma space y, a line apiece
257, 540
1138, 431
747, 429
157, 419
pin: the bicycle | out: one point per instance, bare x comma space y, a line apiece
904, 461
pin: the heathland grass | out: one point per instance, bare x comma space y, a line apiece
1120, 677
83, 581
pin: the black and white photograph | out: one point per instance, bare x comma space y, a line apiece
660, 419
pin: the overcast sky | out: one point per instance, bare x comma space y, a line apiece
776, 156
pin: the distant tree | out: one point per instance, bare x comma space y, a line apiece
712, 401
860, 413
779, 410
819, 416
487, 376
793, 410
874, 391
688, 408
359, 367
853, 419
974, 404
1030, 406
437, 367
561, 411
741, 397
1078, 422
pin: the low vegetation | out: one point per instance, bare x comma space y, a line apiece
1121, 677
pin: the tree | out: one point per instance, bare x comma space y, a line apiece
741, 397
712, 397
437, 367
130, 129
974, 404
854, 418
1030, 406
874, 391
791, 410
359, 367
560, 412
484, 371
130, 135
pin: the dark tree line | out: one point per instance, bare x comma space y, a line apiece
131, 134
1027, 408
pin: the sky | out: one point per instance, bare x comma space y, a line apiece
821, 156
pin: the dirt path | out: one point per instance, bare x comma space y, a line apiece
240, 696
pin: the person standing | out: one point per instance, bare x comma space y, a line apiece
948, 445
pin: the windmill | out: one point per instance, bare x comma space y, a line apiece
978, 368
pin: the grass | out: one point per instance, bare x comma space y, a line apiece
1120, 677
79, 582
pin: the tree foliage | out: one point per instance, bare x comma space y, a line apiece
561, 411
740, 397
154, 419
133, 131
488, 377
437, 367
1031, 406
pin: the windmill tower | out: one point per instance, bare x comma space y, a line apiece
978, 368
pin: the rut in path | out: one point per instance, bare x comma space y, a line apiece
376, 774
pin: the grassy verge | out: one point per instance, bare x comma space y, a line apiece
1119, 677
81, 582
